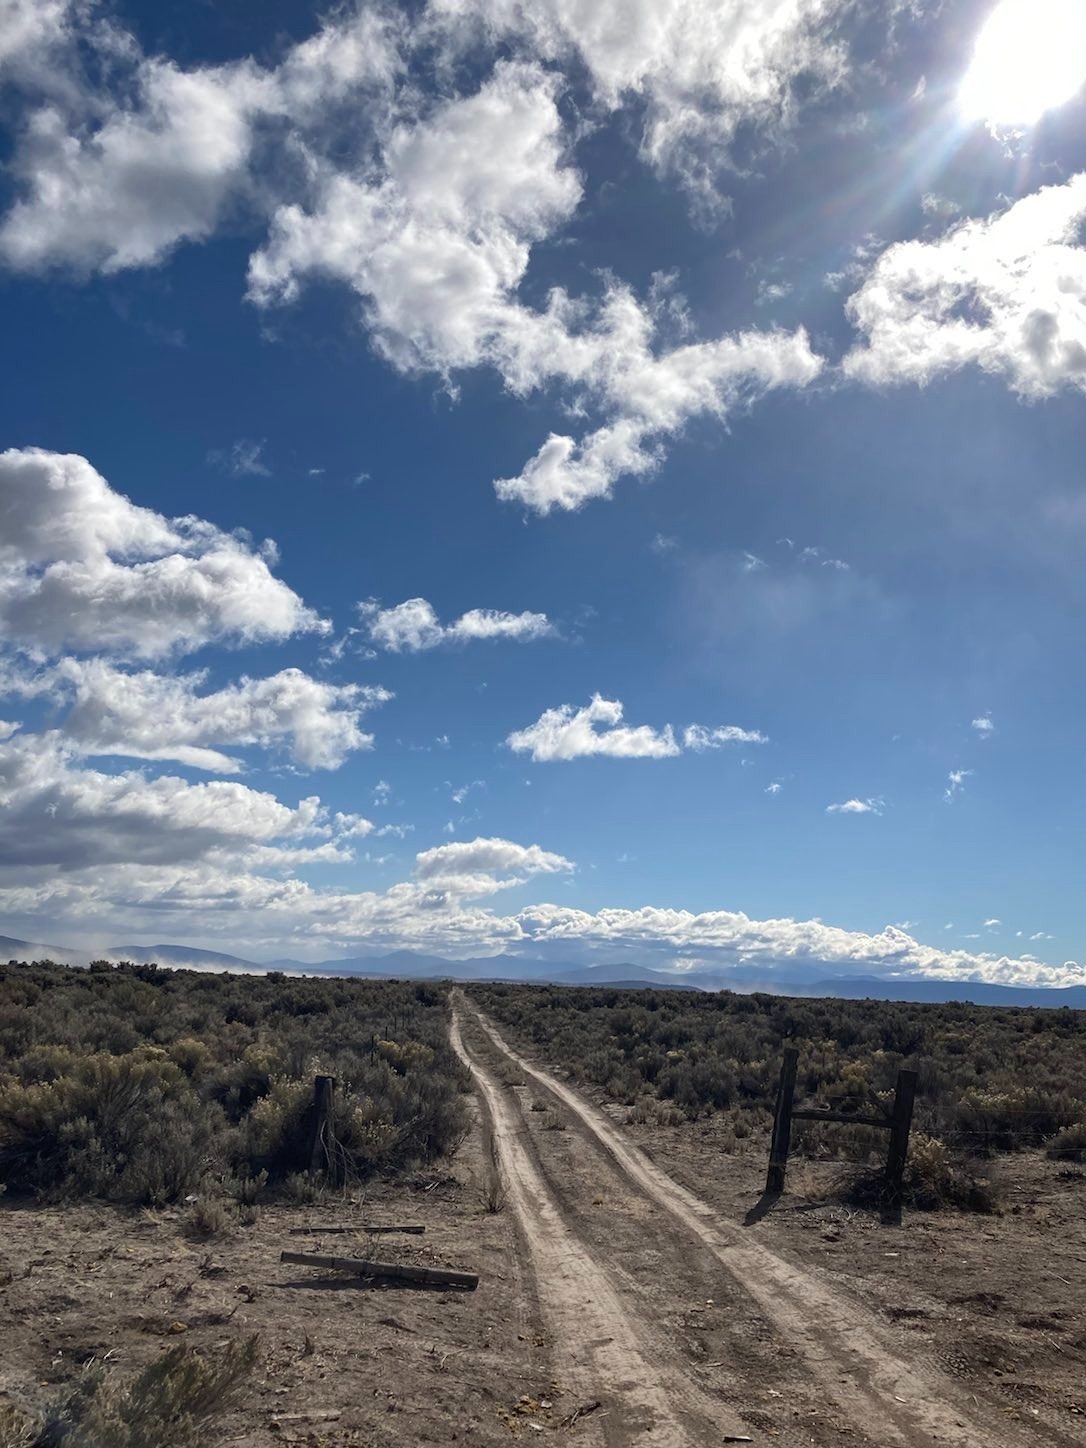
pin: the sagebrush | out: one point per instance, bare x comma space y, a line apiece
141, 1085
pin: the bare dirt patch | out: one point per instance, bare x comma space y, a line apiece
997, 1301
339, 1363
876, 1378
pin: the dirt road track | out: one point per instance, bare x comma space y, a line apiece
614, 1353
601, 1354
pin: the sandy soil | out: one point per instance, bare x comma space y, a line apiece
836, 1364
341, 1361
628, 1297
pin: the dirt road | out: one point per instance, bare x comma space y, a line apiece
639, 1282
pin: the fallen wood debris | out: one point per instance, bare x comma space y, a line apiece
413, 1230
581, 1412
432, 1276
314, 1415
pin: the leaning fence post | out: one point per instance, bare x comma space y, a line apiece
900, 1122
323, 1096
782, 1122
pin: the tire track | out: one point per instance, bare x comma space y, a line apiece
603, 1352
898, 1402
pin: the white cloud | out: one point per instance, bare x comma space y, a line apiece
699, 738
568, 733
57, 814
774, 788
1006, 293
483, 865
143, 855
151, 716
984, 726
436, 242
431, 217
955, 783
123, 190
436, 245
992, 921
117, 179
83, 568
651, 395
29, 29
413, 625
856, 806
702, 70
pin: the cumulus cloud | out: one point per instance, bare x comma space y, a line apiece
126, 852
984, 726
436, 241
83, 568
111, 180
441, 907
429, 210
146, 715
701, 70
652, 394
413, 626
436, 246
29, 29
856, 806
1005, 293
54, 812
124, 192
569, 733
482, 866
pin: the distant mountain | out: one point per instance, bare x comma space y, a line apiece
27, 950
411, 965
179, 955
973, 992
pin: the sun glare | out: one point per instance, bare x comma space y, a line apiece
1030, 57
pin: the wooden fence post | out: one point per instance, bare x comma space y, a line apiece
782, 1122
324, 1088
900, 1122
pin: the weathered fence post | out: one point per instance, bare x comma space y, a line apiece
900, 1122
782, 1122
324, 1088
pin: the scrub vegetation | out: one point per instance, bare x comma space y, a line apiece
140, 1085
990, 1081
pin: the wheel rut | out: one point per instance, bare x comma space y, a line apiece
601, 1352
839, 1356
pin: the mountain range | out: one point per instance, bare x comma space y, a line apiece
410, 965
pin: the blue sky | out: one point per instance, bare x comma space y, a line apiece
384, 386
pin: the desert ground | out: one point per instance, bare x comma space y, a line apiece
633, 1290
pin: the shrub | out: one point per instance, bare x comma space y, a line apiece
125, 1128
207, 1219
167, 1405
1069, 1144
135, 1084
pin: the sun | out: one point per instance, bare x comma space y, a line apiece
1030, 57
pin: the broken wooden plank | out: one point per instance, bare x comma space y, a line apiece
394, 1271
413, 1230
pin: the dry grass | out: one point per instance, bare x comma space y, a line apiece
170, 1404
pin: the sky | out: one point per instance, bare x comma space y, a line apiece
595, 480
